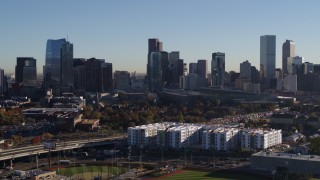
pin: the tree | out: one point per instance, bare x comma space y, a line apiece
180, 118
16, 139
36, 140
47, 136
315, 145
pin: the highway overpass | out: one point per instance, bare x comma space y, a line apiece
60, 146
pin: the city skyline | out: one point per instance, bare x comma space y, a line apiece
119, 31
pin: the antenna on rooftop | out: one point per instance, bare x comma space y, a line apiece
67, 37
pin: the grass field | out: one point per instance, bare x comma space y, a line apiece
71, 171
185, 175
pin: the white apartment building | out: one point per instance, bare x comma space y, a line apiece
259, 139
180, 135
220, 138
145, 134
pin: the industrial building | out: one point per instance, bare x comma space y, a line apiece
294, 163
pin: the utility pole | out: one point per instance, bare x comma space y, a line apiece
129, 151
141, 155
37, 160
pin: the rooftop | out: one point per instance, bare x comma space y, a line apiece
288, 156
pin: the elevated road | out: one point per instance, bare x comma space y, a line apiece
62, 145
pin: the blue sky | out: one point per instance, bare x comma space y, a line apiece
118, 30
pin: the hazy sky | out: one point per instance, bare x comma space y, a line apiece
118, 30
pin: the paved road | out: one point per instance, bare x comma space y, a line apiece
67, 145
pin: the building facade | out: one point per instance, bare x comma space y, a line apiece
259, 139
267, 57
26, 70
217, 69
288, 50
220, 138
245, 70
51, 70
66, 76
122, 80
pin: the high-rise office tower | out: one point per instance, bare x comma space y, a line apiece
51, 70
98, 75
94, 75
294, 65
173, 56
218, 69
165, 66
316, 68
107, 73
202, 68
288, 50
245, 70
178, 71
2, 81
255, 75
26, 70
193, 68
307, 67
122, 80
154, 66
267, 57
154, 45
79, 73
66, 61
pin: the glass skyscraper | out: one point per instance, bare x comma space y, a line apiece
218, 69
52, 68
267, 57
67, 65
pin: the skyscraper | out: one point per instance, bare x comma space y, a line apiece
288, 50
245, 70
94, 81
66, 67
79, 73
52, 67
193, 68
107, 76
154, 45
2, 81
202, 68
218, 69
26, 70
154, 77
122, 80
178, 71
294, 65
98, 75
165, 66
267, 57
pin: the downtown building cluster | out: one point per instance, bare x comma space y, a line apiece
64, 73
167, 69
218, 138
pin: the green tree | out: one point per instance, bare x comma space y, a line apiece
315, 145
